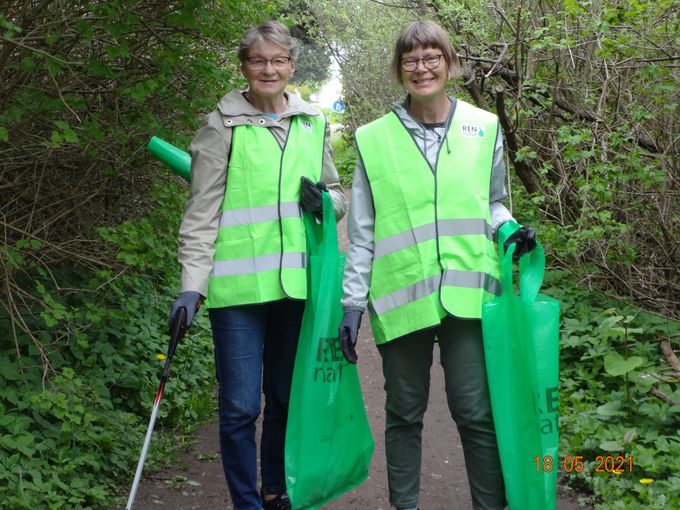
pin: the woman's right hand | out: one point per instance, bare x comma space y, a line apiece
349, 332
190, 300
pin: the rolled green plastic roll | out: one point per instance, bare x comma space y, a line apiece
178, 160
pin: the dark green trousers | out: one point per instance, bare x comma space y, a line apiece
406, 366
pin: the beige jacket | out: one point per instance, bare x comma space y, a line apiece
209, 158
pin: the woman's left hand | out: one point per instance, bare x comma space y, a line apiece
525, 240
310, 195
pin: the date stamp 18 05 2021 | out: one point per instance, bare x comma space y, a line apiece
577, 463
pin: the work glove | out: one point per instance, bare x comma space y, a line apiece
190, 300
524, 239
310, 195
348, 332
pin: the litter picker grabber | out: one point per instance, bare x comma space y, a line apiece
178, 328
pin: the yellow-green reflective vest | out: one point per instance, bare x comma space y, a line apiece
434, 252
261, 250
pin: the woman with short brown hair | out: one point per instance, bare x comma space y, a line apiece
424, 218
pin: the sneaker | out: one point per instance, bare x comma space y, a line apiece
280, 502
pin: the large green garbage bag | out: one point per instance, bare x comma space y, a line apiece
328, 439
521, 334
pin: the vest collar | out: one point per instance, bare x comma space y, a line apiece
236, 110
415, 127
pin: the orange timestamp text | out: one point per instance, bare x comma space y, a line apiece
577, 464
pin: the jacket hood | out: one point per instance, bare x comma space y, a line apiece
237, 110
401, 110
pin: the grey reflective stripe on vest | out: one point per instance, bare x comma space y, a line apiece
401, 297
404, 296
457, 227
258, 264
472, 280
248, 216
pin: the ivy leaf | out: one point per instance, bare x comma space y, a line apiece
615, 364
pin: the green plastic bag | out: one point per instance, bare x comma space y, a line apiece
328, 438
521, 335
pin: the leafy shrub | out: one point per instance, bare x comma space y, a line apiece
71, 430
345, 158
89, 235
611, 377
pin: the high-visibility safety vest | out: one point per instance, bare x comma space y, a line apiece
261, 249
434, 252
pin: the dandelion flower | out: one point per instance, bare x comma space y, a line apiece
646, 481
160, 356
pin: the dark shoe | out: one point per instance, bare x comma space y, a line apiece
280, 502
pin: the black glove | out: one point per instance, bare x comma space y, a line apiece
348, 332
191, 301
525, 239
310, 195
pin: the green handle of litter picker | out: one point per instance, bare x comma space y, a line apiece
178, 160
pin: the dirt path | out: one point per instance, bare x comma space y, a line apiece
198, 481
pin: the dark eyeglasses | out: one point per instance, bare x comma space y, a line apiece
429, 61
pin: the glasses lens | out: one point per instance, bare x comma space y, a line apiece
280, 62
411, 64
261, 63
431, 61
257, 63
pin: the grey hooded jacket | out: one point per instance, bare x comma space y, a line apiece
209, 158
361, 219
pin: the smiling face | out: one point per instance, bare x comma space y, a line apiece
268, 82
423, 83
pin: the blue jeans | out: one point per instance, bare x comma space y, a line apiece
255, 348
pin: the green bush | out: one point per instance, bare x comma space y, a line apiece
76, 395
344, 157
611, 376
90, 235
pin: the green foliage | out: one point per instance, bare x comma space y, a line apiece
313, 64
361, 35
305, 90
89, 247
84, 86
609, 362
344, 157
75, 396
589, 116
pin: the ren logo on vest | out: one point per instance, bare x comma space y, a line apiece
307, 125
470, 131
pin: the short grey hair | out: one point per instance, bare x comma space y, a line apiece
273, 31
425, 34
